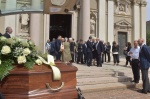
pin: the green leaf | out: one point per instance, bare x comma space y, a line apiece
29, 65
4, 69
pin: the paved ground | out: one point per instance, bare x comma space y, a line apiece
108, 82
117, 94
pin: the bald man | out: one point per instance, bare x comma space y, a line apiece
144, 57
8, 32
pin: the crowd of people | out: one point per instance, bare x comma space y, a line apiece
90, 52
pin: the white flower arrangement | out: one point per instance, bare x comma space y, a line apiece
15, 51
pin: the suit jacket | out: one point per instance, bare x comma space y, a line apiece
89, 46
53, 49
84, 47
144, 56
7, 35
108, 49
80, 47
57, 45
100, 48
72, 47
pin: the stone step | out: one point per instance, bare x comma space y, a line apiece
108, 86
102, 80
100, 74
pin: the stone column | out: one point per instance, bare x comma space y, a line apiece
35, 25
85, 19
136, 20
102, 19
46, 29
11, 19
143, 20
74, 25
110, 21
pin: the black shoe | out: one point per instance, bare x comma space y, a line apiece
136, 82
142, 91
133, 81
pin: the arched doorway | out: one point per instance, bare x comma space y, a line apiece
60, 24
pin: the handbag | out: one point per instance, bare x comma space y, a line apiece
61, 47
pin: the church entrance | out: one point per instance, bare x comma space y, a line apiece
60, 24
122, 40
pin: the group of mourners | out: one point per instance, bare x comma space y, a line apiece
91, 52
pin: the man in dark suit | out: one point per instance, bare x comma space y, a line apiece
99, 49
144, 57
89, 51
108, 48
72, 45
84, 47
57, 46
8, 32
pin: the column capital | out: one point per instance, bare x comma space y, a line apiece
136, 2
143, 3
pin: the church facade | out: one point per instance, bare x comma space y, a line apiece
110, 20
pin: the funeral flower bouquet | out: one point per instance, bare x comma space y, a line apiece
15, 51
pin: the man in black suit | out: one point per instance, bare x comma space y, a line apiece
57, 46
108, 48
8, 32
99, 49
72, 45
144, 57
89, 51
84, 47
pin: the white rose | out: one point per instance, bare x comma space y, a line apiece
38, 61
0, 62
26, 51
21, 59
5, 49
2, 38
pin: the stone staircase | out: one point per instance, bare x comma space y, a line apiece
108, 77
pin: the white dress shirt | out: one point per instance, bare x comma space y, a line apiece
135, 52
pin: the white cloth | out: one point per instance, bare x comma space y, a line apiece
135, 52
115, 52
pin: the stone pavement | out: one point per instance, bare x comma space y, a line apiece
117, 94
107, 81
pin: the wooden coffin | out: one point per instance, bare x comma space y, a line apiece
31, 84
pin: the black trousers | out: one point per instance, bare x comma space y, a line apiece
85, 58
80, 57
116, 58
145, 80
136, 70
72, 56
98, 59
102, 58
105, 55
58, 55
128, 60
89, 58
108, 55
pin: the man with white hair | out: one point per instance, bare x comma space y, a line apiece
8, 32
144, 57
